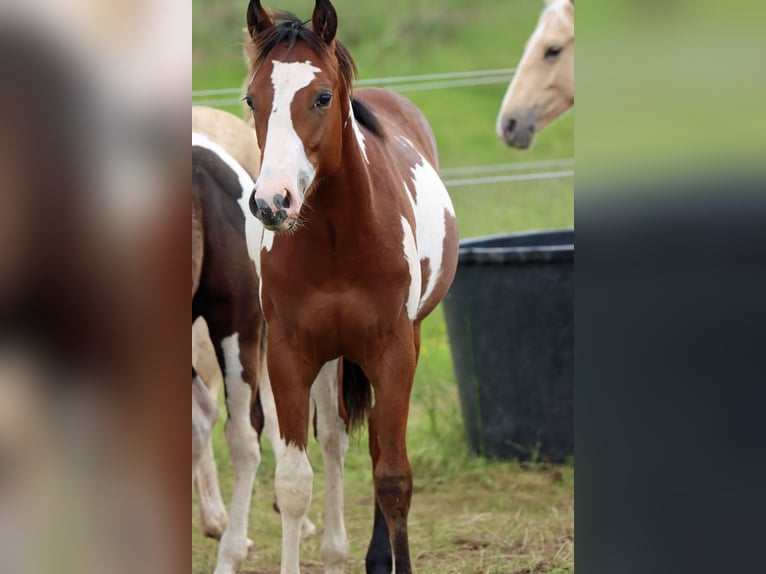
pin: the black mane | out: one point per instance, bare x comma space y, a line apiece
366, 117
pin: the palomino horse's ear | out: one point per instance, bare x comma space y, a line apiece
325, 20
258, 19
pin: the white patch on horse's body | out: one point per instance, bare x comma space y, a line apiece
430, 202
245, 181
359, 135
256, 236
268, 239
284, 157
293, 484
333, 440
245, 456
406, 141
413, 261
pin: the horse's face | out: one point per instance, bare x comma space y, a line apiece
543, 86
296, 94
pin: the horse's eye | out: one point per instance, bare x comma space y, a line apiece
552, 52
249, 101
323, 100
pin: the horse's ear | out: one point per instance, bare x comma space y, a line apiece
325, 20
258, 19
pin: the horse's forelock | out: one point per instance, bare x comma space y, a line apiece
289, 29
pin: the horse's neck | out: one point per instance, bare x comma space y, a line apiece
350, 187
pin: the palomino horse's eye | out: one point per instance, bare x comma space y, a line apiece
552, 52
248, 101
323, 99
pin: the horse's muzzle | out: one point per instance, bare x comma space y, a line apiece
518, 134
265, 214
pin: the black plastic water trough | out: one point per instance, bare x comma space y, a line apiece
510, 320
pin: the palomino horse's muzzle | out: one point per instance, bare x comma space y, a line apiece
518, 133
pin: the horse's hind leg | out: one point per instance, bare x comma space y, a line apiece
211, 507
392, 377
245, 452
379, 559
212, 510
204, 415
333, 440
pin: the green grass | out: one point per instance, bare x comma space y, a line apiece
469, 515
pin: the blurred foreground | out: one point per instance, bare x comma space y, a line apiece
93, 249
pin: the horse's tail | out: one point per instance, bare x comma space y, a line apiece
357, 394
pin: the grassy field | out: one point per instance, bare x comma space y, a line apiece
469, 515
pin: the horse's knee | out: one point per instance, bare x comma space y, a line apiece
332, 438
243, 444
293, 481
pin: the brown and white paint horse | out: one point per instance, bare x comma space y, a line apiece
355, 242
225, 294
543, 87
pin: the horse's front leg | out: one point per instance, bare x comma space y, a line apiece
240, 367
332, 435
291, 377
271, 430
391, 376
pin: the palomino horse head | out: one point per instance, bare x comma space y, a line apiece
543, 86
300, 96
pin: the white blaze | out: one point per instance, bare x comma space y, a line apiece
284, 157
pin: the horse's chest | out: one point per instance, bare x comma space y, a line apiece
338, 300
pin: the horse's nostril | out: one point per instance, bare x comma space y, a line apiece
253, 205
286, 202
510, 125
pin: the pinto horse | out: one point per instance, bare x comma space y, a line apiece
354, 239
225, 293
543, 87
